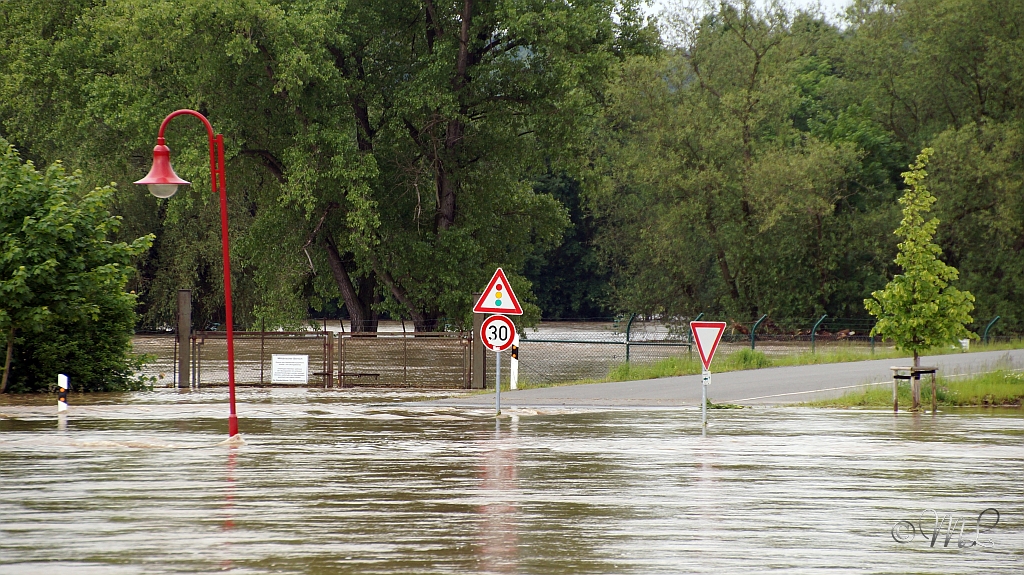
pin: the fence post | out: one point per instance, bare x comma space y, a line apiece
988, 327
629, 326
814, 330
477, 352
753, 331
184, 336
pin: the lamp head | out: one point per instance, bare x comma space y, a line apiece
161, 179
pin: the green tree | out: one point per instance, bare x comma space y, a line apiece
383, 153
58, 271
710, 191
919, 309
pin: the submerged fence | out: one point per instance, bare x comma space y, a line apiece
552, 352
384, 359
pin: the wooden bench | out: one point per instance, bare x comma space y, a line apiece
913, 375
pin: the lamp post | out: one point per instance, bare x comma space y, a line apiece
162, 183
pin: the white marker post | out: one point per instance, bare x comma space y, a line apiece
513, 364
706, 334
497, 333
62, 394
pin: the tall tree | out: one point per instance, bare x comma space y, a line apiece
381, 152
710, 195
919, 309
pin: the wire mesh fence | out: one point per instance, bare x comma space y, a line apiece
424, 360
383, 359
581, 350
551, 352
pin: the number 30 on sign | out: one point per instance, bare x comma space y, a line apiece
497, 333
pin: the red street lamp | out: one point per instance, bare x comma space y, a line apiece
163, 182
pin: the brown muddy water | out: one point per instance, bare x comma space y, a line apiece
364, 482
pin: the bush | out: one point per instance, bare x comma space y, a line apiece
95, 354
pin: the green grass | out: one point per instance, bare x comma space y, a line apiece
997, 388
752, 359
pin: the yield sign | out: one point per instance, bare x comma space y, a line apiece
498, 297
707, 334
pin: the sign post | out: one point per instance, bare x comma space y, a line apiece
706, 334
498, 333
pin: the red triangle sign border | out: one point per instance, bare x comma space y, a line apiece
482, 307
705, 358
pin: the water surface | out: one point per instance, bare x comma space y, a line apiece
362, 482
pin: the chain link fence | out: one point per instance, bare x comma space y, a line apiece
382, 359
552, 352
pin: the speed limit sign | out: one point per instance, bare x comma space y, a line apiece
497, 333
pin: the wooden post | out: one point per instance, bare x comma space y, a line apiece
183, 337
933, 393
478, 353
915, 384
895, 392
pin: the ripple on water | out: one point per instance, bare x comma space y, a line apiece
326, 483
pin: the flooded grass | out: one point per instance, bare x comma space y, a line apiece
998, 388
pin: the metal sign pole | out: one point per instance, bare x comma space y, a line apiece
705, 380
497, 382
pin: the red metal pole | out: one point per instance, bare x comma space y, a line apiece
228, 319
217, 183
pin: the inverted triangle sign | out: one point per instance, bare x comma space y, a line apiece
498, 297
707, 334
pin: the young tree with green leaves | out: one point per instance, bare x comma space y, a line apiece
919, 309
59, 274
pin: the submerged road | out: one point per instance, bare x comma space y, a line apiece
770, 386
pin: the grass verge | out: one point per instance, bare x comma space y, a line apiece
752, 359
994, 389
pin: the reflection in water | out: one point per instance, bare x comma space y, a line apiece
229, 504
498, 539
362, 483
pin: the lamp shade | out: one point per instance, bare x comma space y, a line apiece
161, 179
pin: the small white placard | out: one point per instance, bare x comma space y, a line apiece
289, 368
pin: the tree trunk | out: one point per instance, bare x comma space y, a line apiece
362, 318
422, 321
7, 363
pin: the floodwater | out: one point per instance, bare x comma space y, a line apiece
362, 482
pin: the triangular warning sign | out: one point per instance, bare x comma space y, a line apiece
707, 334
498, 297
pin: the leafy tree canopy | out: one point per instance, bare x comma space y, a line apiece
919, 309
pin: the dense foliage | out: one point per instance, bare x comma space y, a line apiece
755, 166
63, 308
384, 157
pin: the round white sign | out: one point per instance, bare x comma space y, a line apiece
497, 333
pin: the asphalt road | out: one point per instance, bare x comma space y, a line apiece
771, 386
